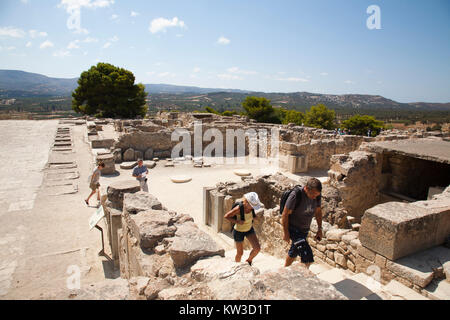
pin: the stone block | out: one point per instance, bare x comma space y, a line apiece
396, 229
380, 261
321, 248
403, 268
330, 255
351, 266
340, 259
336, 234
366, 253
115, 192
148, 155
129, 155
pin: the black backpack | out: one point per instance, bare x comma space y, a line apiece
241, 210
297, 189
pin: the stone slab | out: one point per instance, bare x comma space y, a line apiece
396, 229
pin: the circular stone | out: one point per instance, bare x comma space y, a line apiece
128, 165
150, 164
242, 173
180, 179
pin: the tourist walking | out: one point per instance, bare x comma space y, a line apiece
301, 206
140, 173
94, 183
242, 215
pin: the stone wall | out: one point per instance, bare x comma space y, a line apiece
165, 256
358, 178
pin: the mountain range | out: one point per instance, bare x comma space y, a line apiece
21, 84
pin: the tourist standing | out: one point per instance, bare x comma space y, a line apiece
140, 173
243, 228
296, 220
94, 183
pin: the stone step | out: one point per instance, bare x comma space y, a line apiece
399, 291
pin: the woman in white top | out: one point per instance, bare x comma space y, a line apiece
94, 182
244, 228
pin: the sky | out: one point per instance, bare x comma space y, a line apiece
399, 49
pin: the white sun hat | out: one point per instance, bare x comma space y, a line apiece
252, 198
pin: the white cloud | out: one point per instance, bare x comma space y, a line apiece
73, 45
196, 70
29, 44
224, 41
236, 70
107, 45
179, 35
46, 44
34, 34
10, 48
324, 74
349, 82
24, 1
114, 17
11, 32
61, 53
134, 14
114, 39
161, 24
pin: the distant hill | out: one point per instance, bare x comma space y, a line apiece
20, 84
174, 89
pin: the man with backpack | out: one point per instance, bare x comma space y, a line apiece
301, 205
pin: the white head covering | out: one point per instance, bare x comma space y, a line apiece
252, 198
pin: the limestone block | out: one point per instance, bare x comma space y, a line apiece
134, 203
128, 165
413, 275
129, 155
148, 155
115, 192
395, 229
336, 234
151, 226
110, 164
190, 244
340, 259
138, 154
366, 253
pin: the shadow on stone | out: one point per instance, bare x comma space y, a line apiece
113, 175
109, 271
353, 290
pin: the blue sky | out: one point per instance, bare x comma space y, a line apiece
274, 46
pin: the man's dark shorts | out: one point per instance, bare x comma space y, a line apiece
239, 236
306, 254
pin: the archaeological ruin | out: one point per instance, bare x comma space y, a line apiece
385, 205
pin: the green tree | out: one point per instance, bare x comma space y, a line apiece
320, 117
293, 116
361, 124
108, 91
211, 110
260, 109
229, 113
